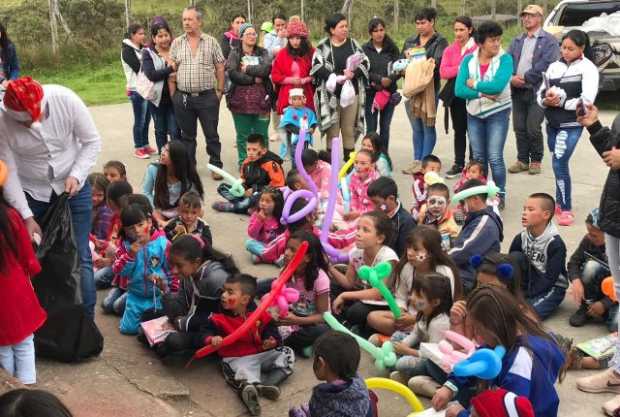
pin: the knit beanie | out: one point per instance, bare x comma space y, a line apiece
243, 27
296, 29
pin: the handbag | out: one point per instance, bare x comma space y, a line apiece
145, 87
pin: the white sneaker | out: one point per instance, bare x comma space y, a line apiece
609, 407
423, 385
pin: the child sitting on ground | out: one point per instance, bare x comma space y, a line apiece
423, 255
358, 299
189, 219
252, 365
430, 163
363, 174
304, 322
295, 117
260, 169
343, 394
474, 170
532, 361
481, 233
115, 171
141, 259
436, 212
167, 180
372, 142
319, 170
265, 224
541, 255
100, 230
431, 296
587, 268
383, 193
202, 271
115, 195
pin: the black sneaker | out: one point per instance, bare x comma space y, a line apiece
502, 203
271, 392
455, 171
249, 396
579, 317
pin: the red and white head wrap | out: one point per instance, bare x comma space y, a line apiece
22, 99
502, 403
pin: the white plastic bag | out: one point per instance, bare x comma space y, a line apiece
347, 95
145, 87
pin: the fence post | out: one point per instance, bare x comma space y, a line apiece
462, 8
493, 9
302, 11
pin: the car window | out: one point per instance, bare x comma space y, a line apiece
577, 13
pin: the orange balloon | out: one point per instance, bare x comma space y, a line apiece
4, 173
609, 288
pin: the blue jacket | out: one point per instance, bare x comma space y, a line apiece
482, 233
546, 51
10, 63
529, 369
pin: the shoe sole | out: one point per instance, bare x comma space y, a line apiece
250, 399
269, 393
451, 176
612, 390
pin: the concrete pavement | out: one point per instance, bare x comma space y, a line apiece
131, 381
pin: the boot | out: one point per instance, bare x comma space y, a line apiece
249, 396
274, 377
271, 392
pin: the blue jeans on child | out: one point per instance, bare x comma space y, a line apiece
141, 118
424, 137
240, 204
103, 278
18, 360
487, 138
81, 206
562, 143
165, 123
114, 302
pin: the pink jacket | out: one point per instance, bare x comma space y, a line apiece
452, 58
263, 230
358, 188
320, 176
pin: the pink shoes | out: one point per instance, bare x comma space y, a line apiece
566, 218
140, 153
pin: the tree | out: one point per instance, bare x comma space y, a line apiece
127, 9
55, 18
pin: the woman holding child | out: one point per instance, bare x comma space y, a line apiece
250, 95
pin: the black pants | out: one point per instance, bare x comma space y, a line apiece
206, 108
357, 315
305, 336
458, 113
527, 118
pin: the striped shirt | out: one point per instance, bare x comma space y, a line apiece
196, 72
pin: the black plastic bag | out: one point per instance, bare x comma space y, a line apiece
69, 334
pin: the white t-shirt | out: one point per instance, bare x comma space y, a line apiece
405, 283
356, 259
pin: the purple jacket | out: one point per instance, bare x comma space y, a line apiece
546, 51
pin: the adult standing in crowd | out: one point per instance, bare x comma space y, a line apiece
329, 61
424, 137
464, 44
532, 52
251, 91
275, 40
9, 64
605, 141
199, 65
291, 66
131, 58
230, 39
484, 81
158, 66
49, 142
380, 103
573, 80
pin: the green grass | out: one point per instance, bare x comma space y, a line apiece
101, 84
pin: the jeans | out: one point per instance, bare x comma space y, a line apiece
458, 114
247, 124
241, 205
103, 278
206, 108
114, 302
424, 137
18, 360
546, 304
488, 137
305, 336
81, 206
141, 118
383, 117
527, 118
255, 247
411, 366
562, 143
165, 123
254, 368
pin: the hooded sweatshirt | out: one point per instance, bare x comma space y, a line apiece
264, 171
482, 233
341, 399
547, 256
131, 58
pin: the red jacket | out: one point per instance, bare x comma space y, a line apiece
250, 343
20, 311
282, 70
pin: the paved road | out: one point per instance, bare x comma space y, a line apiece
127, 380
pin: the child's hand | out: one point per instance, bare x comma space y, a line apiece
102, 262
454, 410
216, 341
403, 349
286, 321
441, 398
404, 321
597, 309
338, 304
351, 216
458, 312
270, 343
248, 192
577, 291
261, 214
180, 229
158, 282
134, 248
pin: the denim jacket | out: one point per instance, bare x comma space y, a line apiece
10, 64
546, 51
